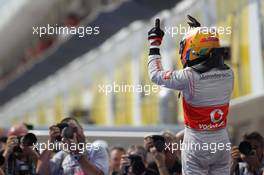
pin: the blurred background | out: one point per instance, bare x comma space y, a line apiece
44, 79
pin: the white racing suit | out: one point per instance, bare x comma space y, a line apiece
206, 99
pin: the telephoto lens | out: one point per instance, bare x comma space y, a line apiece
245, 148
159, 142
29, 139
137, 164
68, 132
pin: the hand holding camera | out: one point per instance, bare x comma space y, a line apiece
156, 141
235, 155
66, 134
245, 153
11, 143
54, 133
155, 144
132, 164
159, 157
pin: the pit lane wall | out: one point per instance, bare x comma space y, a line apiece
74, 90
246, 115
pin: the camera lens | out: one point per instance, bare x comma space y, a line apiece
160, 145
245, 148
137, 164
29, 139
68, 132
159, 142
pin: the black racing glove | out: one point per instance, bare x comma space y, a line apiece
155, 36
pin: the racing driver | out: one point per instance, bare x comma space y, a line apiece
206, 84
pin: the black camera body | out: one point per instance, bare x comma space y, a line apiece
68, 132
136, 164
245, 148
159, 142
28, 140
15, 163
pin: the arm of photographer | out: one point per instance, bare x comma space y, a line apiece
159, 158
43, 166
235, 154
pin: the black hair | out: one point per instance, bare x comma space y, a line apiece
139, 150
255, 136
67, 119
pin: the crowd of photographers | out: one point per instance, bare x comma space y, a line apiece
71, 154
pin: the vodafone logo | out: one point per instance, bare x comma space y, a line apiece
216, 115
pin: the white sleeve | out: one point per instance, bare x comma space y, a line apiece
99, 157
177, 79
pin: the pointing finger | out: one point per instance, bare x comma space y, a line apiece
157, 23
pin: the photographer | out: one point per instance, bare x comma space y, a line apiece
248, 159
74, 159
135, 162
115, 159
166, 161
20, 157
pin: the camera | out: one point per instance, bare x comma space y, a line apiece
22, 167
245, 148
68, 132
137, 165
61, 126
28, 140
159, 142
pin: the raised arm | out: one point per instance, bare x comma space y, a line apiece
168, 78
